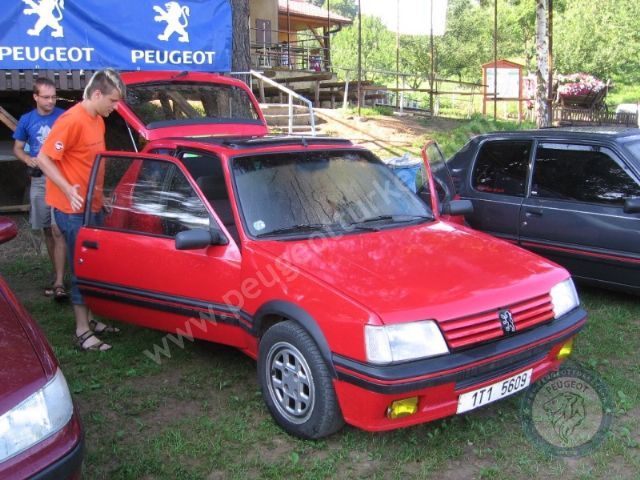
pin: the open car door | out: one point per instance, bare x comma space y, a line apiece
435, 176
153, 252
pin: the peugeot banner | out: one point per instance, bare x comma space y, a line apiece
127, 35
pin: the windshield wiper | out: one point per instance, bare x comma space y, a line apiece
303, 227
400, 218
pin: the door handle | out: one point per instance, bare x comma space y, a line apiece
533, 212
90, 244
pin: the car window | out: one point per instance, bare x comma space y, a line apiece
581, 173
501, 167
322, 190
156, 104
147, 197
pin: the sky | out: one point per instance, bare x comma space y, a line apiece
414, 14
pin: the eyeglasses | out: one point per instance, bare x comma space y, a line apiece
48, 97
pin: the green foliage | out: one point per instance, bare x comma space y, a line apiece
378, 48
599, 38
346, 8
452, 140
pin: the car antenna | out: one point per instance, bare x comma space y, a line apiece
183, 73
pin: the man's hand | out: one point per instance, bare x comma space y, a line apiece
75, 199
31, 161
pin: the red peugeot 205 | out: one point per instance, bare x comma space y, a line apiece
40, 432
359, 301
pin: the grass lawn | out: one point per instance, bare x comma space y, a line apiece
198, 413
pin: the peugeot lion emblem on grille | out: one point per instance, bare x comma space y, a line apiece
506, 320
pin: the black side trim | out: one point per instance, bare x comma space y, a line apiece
560, 329
64, 467
187, 307
581, 252
294, 312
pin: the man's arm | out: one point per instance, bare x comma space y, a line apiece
51, 171
18, 151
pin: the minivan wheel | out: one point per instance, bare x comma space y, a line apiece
296, 383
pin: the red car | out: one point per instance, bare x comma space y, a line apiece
359, 302
40, 432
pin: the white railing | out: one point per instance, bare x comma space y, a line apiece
291, 94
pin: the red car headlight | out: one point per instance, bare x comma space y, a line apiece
37, 417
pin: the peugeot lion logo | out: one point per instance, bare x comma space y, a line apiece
506, 320
49, 15
176, 17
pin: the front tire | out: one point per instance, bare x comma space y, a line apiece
296, 383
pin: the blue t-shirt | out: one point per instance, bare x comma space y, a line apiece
34, 128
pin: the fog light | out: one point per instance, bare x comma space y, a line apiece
402, 408
566, 350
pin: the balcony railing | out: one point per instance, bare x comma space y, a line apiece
303, 52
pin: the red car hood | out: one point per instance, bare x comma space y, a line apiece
22, 369
436, 271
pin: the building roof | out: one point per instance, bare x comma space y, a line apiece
304, 9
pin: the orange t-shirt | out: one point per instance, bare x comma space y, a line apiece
73, 143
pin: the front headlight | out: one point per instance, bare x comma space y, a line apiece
564, 298
403, 341
36, 418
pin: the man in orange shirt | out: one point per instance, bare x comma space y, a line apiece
66, 158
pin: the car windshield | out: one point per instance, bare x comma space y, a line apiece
333, 192
162, 104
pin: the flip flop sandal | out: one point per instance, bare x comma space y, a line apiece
106, 329
59, 293
79, 341
49, 291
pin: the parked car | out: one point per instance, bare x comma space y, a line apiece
40, 432
569, 194
359, 303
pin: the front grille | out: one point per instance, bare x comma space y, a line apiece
484, 326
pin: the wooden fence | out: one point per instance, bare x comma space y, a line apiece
585, 116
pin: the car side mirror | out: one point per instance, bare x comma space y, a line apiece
199, 238
632, 205
458, 207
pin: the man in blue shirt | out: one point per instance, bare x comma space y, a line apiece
30, 134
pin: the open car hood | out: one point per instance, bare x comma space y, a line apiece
190, 104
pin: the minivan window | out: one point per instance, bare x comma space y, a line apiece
501, 167
581, 173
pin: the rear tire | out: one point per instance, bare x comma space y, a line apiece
296, 383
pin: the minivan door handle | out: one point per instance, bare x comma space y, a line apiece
533, 212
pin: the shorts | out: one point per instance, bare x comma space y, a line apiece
40, 215
70, 224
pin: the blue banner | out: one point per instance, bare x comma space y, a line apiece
127, 35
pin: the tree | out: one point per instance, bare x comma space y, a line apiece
542, 70
346, 8
241, 55
378, 48
600, 38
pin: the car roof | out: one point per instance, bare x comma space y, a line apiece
591, 132
244, 145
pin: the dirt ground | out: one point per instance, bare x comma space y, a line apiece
387, 135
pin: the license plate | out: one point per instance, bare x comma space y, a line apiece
491, 393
